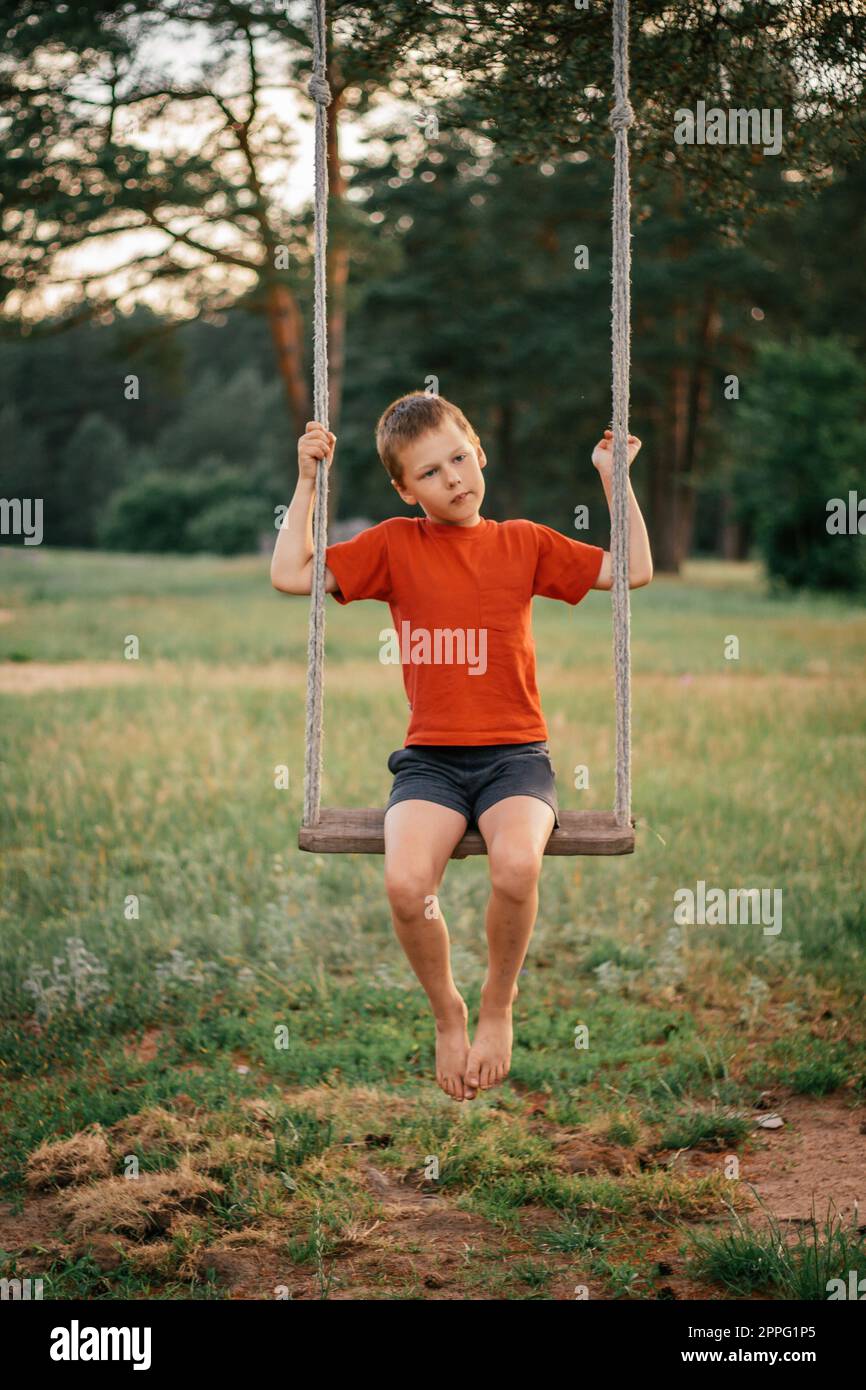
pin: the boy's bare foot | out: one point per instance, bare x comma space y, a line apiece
490, 1053
452, 1050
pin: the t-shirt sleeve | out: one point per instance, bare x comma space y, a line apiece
361, 565
565, 569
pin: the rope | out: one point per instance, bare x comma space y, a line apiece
321, 93
621, 118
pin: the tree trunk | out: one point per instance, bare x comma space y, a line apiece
671, 427
284, 318
733, 541
697, 407
662, 496
678, 434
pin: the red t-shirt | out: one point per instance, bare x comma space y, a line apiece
461, 602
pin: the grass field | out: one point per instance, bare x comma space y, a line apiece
191, 1003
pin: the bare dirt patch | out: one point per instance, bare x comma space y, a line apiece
819, 1155
418, 1242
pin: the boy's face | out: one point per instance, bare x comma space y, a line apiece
438, 467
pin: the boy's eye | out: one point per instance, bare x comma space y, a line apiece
457, 458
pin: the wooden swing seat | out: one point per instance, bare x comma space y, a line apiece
362, 831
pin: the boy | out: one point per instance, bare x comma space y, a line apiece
459, 588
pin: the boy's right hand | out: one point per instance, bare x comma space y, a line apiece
315, 443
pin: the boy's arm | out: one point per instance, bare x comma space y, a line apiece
640, 563
292, 560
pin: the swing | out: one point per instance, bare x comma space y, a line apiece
331, 830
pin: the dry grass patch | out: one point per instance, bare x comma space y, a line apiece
86, 1157
148, 1205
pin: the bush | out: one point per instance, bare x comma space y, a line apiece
230, 527
150, 514
221, 511
801, 438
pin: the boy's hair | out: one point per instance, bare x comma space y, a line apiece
407, 418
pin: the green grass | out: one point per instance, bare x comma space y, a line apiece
141, 816
746, 1259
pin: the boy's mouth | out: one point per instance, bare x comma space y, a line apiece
461, 497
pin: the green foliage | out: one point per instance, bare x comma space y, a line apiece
92, 466
24, 457
230, 527
801, 431
150, 514
165, 512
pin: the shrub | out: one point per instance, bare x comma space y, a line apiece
230, 527
150, 514
221, 511
801, 438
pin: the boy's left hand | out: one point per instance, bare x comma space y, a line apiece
602, 454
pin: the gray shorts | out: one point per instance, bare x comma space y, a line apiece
471, 778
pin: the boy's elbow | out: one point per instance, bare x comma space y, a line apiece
286, 586
640, 581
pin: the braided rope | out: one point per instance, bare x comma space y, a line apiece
321, 93
621, 118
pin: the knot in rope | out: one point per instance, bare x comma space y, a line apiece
319, 89
622, 115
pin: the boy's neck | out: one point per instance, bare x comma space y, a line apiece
467, 523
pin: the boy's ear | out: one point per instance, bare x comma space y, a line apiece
398, 489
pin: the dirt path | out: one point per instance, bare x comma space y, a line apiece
33, 677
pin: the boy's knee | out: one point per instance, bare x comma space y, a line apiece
410, 893
515, 873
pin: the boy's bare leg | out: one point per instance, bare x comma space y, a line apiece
419, 838
515, 831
